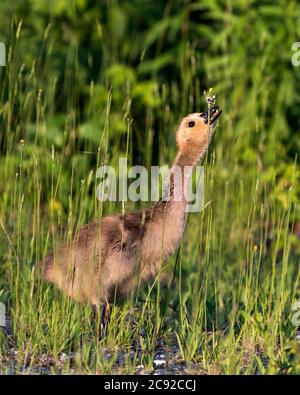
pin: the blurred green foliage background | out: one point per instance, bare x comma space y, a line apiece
157, 57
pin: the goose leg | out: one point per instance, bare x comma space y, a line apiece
102, 316
105, 317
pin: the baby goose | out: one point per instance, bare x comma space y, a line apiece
113, 256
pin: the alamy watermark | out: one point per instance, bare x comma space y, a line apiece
296, 56
296, 318
296, 314
2, 54
180, 184
2, 314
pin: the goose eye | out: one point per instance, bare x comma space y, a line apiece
191, 124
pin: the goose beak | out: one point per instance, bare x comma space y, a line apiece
211, 115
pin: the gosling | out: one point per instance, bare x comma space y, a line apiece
120, 252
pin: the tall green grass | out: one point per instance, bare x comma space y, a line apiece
73, 98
